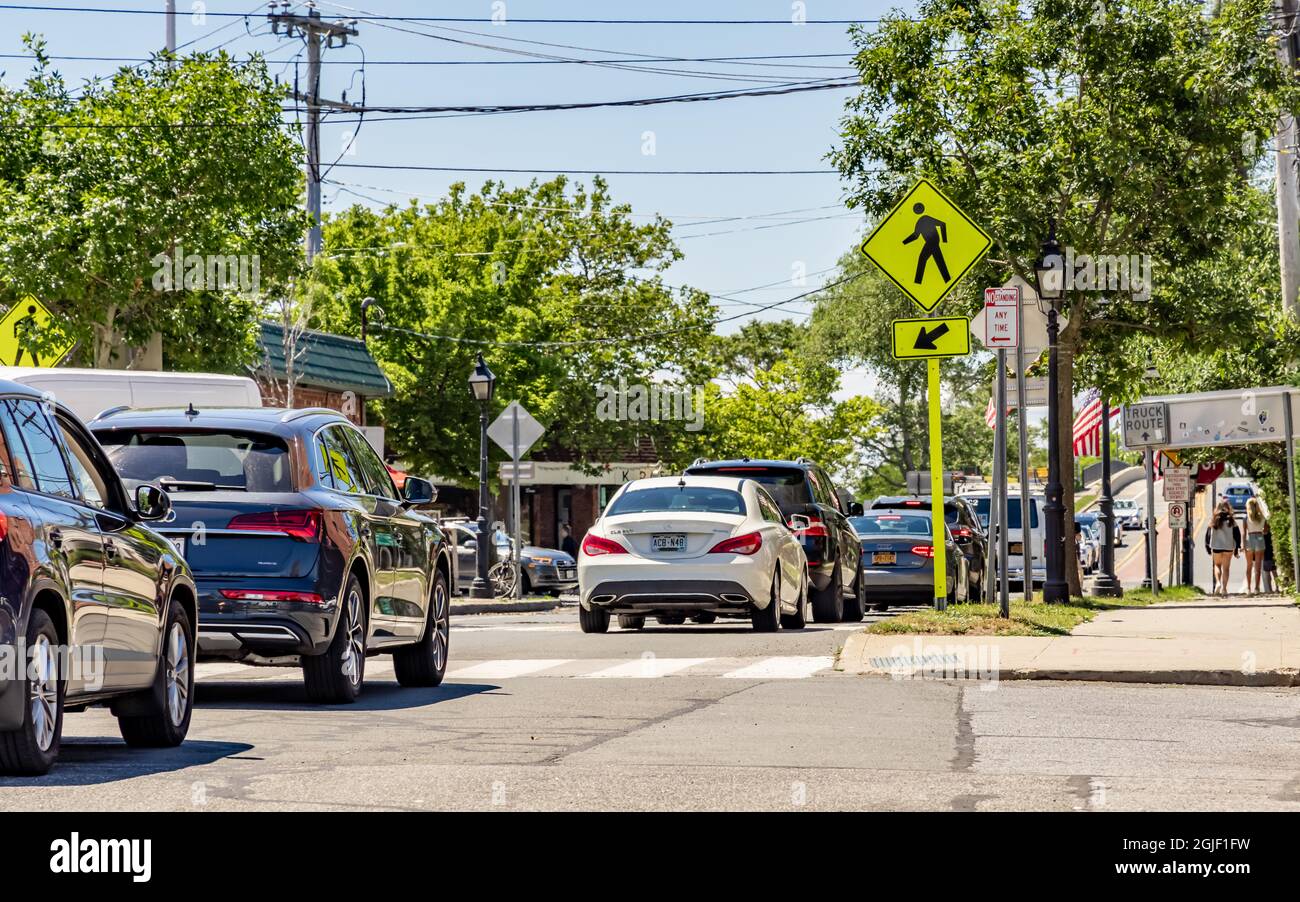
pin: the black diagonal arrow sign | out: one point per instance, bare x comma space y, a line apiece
926, 338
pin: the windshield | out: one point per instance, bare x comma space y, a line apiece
891, 525
786, 485
982, 504
200, 461
672, 498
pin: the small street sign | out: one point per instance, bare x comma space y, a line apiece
1146, 425
524, 468
1001, 320
24, 331
1178, 515
920, 339
926, 244
1178, 484
502, 430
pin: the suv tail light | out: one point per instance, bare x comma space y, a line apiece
271, 595
749, 543
303, 525
4, 526
594, 545
923, 550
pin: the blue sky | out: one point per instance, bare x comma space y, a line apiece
779, 133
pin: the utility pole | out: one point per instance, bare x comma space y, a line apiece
319, 35
170, 18
1288, 196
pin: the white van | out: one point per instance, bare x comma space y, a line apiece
90, 392
1015, 538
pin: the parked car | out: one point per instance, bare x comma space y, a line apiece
1129, 515
671, 547
547, 570
897, 548
1087, 545
103, 606
1016, 538
299, 542
1238, 495
964, 524
804, 491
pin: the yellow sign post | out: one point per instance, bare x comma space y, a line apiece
26, 339
926, 244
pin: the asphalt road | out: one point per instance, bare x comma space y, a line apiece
537, 715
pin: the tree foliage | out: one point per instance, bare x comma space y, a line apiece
558, 288
1136, 126
96, 183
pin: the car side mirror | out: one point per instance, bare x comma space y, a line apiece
151, 502
417, 491
855, 509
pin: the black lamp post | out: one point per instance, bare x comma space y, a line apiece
1106, 584
482, 383
1050, 275
1152, 374
365, 310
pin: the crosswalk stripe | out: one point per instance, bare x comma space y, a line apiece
781, 668
647, 667
504, 670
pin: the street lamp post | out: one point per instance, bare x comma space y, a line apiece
1106, 584
482, 383
365, 309
1050, 273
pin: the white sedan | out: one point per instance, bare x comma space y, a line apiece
698, 546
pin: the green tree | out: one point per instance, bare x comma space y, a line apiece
1135, 126
772, 399
558, 288
95, 185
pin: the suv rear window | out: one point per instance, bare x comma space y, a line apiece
697, 498
787, 485
982, 504
195, 460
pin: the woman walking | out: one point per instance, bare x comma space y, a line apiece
1223, 542
1256, 542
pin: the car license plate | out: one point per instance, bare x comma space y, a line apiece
1016, 548
884, 557
568, 574
668, 542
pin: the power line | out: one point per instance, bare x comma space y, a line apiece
370, 17
412, 167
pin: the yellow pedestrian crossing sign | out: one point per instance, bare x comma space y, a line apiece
926, 244
919, 339
31, 336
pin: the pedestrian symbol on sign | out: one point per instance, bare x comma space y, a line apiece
929, 229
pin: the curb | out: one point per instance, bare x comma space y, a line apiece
851, 660
505, 607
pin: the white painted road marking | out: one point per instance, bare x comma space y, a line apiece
790, 668
504, 670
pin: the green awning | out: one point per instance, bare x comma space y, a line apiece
324, 360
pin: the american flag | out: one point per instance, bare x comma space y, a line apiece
1087, 425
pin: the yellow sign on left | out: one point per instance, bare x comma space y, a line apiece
29, 336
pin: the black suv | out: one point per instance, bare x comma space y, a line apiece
813, 510
95, 607
300, 544
964, 524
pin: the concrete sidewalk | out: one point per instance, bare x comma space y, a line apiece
1233, 641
